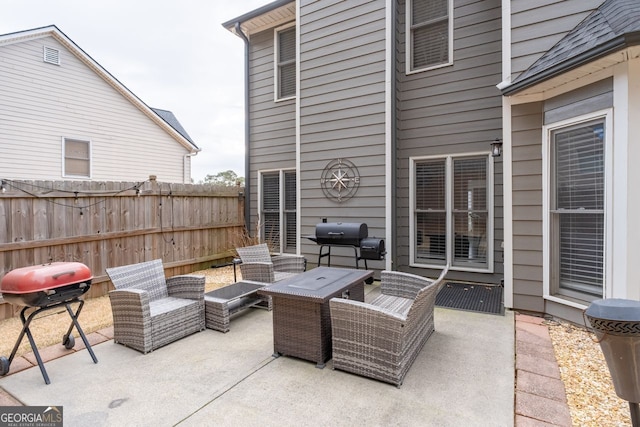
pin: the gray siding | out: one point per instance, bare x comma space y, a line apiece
537, 25
594, 97
527, 206
527, 123
587, 99
451, 110
273, 125
342, 114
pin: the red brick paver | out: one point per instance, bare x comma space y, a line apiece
541, 398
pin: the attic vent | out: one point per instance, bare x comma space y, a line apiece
51, 55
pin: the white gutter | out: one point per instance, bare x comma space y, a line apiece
507, 182
389, 135
186, 178
247, 131
298, 139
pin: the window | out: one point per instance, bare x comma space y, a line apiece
77, 158
285, 52
429, 34
452, 212
278, 210
576, 215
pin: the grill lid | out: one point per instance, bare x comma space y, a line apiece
42, 277
341, 233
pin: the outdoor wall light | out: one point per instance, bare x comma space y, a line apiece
496, 148
3, 187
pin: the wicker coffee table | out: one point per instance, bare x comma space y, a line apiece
222, 303
301, 319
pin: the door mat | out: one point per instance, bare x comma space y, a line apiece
471, 297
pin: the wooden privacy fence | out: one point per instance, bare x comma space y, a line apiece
106, 224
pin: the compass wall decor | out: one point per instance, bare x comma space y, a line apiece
340, 180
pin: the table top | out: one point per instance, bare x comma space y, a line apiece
319, 284
235, 290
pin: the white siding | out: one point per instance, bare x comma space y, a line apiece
40, 103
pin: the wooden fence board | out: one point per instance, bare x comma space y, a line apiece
105, 224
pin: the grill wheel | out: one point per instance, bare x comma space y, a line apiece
4, 366
68, 341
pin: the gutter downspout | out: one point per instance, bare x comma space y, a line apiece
187, 179
247, 133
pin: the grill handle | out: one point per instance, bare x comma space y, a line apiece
62, 273
333, 233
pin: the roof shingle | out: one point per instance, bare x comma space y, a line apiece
600, 33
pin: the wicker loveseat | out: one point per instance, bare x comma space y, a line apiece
381, 339
150, 311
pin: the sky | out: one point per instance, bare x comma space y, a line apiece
173, 55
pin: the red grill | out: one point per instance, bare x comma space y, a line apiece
42, 285
47, 287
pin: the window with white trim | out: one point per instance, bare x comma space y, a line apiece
77, 158
452, 211
576, 217
429, 28
285, 60
278, 210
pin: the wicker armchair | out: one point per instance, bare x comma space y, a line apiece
150, 311
382, 339
260, 266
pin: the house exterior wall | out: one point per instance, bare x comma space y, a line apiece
451, 110
272, 143
40, 103
527, 122
536, 26
345, 110
526, 138
342, 115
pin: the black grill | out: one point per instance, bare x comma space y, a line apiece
341, 233
348, 234
372, 248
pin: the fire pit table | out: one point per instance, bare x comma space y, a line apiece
47, 287
301, 318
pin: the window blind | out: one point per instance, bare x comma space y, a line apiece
578, 211
470, 209
287, 62
279, 217
431, 214
271, 207
452, 209
290, 211
429, 33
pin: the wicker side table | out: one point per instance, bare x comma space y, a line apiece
222, 303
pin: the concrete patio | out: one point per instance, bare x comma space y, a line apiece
463, 376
